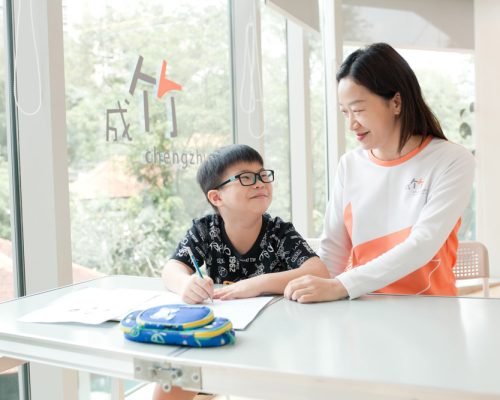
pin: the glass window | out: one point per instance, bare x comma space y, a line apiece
276, 114
318, 130
276, 124
148, 97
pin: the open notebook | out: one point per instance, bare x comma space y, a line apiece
95, 306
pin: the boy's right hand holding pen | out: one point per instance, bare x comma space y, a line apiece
198, 288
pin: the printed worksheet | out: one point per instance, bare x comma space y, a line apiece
95, 306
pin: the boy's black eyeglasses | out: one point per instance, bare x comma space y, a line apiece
249, 178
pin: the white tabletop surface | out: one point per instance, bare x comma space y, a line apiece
96, 348
446, 346
376, 346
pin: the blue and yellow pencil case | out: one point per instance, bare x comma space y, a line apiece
178, 324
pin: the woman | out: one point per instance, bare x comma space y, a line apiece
392, 223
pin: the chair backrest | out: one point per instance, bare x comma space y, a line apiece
473, 262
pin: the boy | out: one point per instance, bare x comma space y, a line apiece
240, 243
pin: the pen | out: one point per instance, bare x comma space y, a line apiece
196, 267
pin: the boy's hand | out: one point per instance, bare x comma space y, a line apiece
197, 289
310, 289
239, 290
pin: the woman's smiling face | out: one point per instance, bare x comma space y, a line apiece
373, 119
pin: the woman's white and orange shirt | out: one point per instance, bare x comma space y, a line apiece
392, 226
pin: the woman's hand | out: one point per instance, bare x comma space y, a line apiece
239, 290
197, 289
310, 289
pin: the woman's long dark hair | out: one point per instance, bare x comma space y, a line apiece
383, 71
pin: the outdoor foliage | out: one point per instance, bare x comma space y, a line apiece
136, 234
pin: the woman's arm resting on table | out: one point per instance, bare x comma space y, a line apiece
312, 289
180, 279
274, 283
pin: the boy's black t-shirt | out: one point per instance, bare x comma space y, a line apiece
279, 247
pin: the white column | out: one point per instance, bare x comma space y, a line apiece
300, 129
43, 167
332, 50
43, 146
247, 74
487, 32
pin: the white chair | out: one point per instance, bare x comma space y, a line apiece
472, 263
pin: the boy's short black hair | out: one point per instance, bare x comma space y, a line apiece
211, 171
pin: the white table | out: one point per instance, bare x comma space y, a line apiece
380, 347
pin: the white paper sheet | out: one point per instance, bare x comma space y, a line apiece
90, 306
241, 312
95, 306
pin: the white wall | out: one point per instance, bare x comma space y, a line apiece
429, 24
44, 169
487, 32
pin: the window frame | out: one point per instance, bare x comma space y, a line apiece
42, 165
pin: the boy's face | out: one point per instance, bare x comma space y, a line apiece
233, 197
